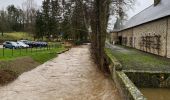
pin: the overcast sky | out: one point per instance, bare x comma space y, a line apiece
139, 6
5, 3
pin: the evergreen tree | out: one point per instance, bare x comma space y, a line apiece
40, 26
46, 16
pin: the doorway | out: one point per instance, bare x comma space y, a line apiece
120, 40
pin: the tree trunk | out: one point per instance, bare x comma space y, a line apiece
99, 32
2, 33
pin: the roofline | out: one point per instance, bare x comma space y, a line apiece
144, 23
131, 18
142, 11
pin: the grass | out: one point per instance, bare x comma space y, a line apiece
20, 35
133, 59
13, 36
16, 53
14, 63
13, 66
45, 56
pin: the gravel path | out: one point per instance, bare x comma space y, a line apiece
70, 76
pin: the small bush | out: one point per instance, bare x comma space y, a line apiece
80, 42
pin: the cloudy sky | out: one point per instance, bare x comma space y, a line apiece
139, 6
5, 3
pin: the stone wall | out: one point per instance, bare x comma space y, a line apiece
127, 37
152, 37
168, 38
150, 79
114, 37
125, 86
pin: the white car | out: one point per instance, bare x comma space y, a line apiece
22, 44
11, 45
16, 44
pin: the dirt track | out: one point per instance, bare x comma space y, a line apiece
70, 76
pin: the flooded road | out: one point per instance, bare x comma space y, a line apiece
156, 93
70, 76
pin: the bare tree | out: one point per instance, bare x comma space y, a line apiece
100, 12
29, 8
3, 22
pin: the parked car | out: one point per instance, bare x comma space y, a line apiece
11, 45
40, 44
30, 43
44, 44
22, 44
34, 43
24, 41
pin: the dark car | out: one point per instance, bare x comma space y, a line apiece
35, 43
40, 44
30, 43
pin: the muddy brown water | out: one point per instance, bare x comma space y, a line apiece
156, 93
70, 76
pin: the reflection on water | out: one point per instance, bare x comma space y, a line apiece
156, 93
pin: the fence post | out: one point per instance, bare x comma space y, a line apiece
3, 52
36, 49
31, 49
26, 50
20, 51
12, 51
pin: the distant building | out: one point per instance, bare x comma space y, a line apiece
149, 30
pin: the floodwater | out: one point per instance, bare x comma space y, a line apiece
156, 93
70, 76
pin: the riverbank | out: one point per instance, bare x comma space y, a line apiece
150, 73
13, 66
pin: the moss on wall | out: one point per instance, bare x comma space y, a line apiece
146, 79
125, 86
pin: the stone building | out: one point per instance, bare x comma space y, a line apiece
149, 30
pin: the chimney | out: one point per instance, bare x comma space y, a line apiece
156, 2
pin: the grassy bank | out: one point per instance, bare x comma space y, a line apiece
12, 66
13, 36
10, 54
133, 59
